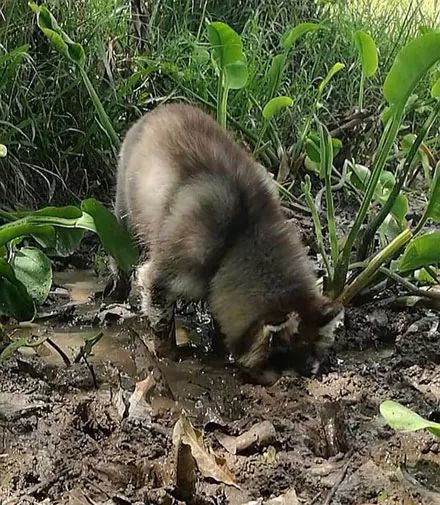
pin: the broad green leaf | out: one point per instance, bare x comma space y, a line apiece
422, 251
337, 67
401, 418
312, 147
10, 349
435, 90
275, 74
275, 106
228, 53
433, 208
14, 299
3, 151
291, 36
33, 269
67, 241
411, 64
236, 75
114, 238
367, 52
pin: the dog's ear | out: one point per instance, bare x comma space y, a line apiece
328, 311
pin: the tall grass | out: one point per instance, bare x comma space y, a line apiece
57, 150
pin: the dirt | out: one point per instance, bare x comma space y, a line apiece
66, 436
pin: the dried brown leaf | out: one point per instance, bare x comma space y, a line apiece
209, 464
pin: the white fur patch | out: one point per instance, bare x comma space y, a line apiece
327, 332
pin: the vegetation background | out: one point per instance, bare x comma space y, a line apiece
141, 53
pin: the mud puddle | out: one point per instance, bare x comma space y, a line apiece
100, 430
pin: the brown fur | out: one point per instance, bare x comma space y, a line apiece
210, 218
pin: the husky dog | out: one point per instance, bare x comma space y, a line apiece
210, 221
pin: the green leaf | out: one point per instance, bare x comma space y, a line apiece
291, 36
400, 208
422, 251
275, 106
367, 52
236, 75
312, 147
433, 208
435, 90
90, 342
14, 299
337, 67
11, 348
57, 41
57, 37
228, 54
3, 151
411, 64
114, 237
33, 269
403, 419
275, 74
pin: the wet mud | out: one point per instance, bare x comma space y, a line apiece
100, 428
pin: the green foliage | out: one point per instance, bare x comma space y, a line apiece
367, 52
401, 418
293, 34
409, 67
275, 106
75, 53
114, 238
422, 251
337, 67
14, 298
25, 280
231, 63
33, 269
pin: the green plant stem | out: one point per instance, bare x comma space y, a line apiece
374, 225
318, 231
103, 117
367, 275
385, 145
433, 295
361, 92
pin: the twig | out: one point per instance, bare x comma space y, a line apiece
58, 349
340, 479
357, 118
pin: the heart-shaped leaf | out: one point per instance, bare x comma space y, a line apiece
33, 269
275, 106
228, 54
367, 52
14, 299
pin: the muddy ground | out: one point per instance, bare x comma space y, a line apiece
75, 433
